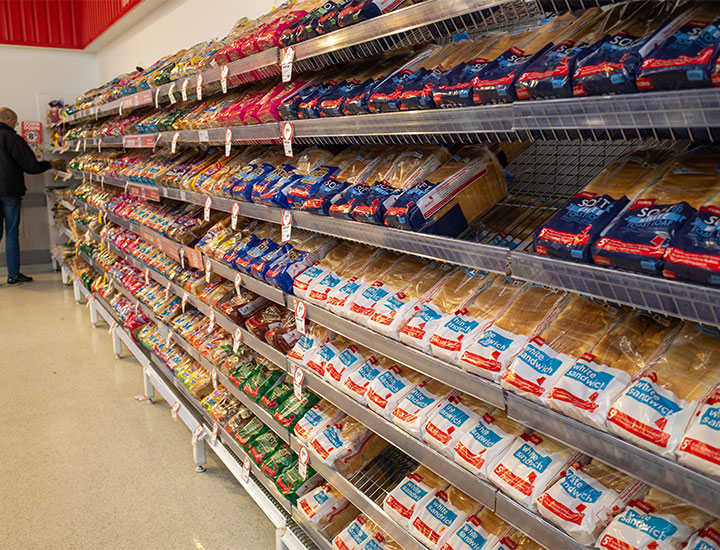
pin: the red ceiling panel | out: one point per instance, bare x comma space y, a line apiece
58, 23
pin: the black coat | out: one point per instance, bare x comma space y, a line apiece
16, 158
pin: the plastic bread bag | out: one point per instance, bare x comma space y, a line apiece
459, 328
658, 521
278, 462
347, 446
293, 409
411, 494
265, 320
284, 337
446, 298
584, 501
299, 191
322, 504
271, 400
433, 523
264, 446
326, 353
363, 10
451, 197
479, 448
331, 261
358, 532
380, 541
395, 311
456, 416
654, 411
356, 383
700, 448
386, 391
571, 232
638, 238
293, 486
577, 327
315, 420
283, 270
685, 58
707, 539
611, 65
517, 540
314, 337
250, 430
319, 291
586, 390
350, 357
493, 351
531, 464
482, 530
415, 409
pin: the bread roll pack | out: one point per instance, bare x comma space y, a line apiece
655, 521
655, 410
577, 327
386, 391
479, 448
586, 390
495, 348
531, 464
481, 530
411, 493
434, 522
700, 448
413, 411
584, 501
455, 417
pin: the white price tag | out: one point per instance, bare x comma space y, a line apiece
102, 182
198, 87
286, 226
228, 141
181, 253
147, 275
211, 325
84, 145
120, 108
303, 459
208, 270
167, 291
157, 98
238, 282
67, 176
300, 317
77, 146
235, 212
223, 78
99, 145
97, 111
214, 435
183, 90
287, 134
173, 143
214, 378
298, 377
184, 300
171, 96
237, 338
168, 337
203, 136
198, 432
113, 326
208, 205
174, 410
245, 472
286, 57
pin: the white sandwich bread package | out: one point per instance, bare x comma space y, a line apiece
307, 346
440, 516
415, 490
356, 383
326, 353
390, 387
348, 360
706, 539
357, 532
315, 420
457, 416
347, 445
700, 448
414, 410
482, 530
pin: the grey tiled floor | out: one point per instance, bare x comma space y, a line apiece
82, 463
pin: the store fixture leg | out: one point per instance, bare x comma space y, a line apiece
117, 343
199, 455
149, 388
77, 291
65, 273
93, 313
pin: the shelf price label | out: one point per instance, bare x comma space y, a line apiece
167, 291
298, 378
214, 435
245, 472
99, 145
168, 337
286, 226
286, 62
303, 459
228, 141
235, 212
208, 270
67, 176
181, 254
238, 282
184, 300
147, 275
183, 90
237, 338
198, 432
203, 136
300, 312
120, 108
214, 378
173, 143
174, 410
287, 136
84, 145
211, 325
223, 78
208, 205
157, 98
171, 97
198, 87
113, 327
77, 146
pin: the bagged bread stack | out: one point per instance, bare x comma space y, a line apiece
386, 391
700, 448
482, 530
307, 346
347, 446
414, 410
356, 534
585, 500
656, 408
411, 494
331, 278
577, 327
586, 390
316, 419
434, 522
457, 416
327, 509
327, 264
657, 521
706, 539
350, 358
326, 353
493, 350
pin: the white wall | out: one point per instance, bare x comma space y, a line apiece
175, 25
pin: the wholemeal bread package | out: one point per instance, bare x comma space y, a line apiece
411, 493
531, 464
571, 232
494, 349
414, 410
700, 448
457, 416
586, 390
386, 391
655, 521
585, 500
482, 530
434, 522
541, 363
655, 409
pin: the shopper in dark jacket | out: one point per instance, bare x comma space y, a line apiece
16, 159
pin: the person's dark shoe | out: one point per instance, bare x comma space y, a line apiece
19, 279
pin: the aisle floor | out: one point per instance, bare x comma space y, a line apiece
83, 464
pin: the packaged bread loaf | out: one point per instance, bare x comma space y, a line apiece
413, 411
412, 493
346, 445
451, 197
531, 464
700, 448
585, 500
517, 540
479, 448
654, 411
331, 261
315, 337
350, 358
482, 530
656, 521
323, 505
573, 230
459, 328
494, 349
434, 522
315, 420
453, 419
356, 383
586, 390
638, 238
577, 327
319, 291
707, 538
357, 533
325, 353
386, 391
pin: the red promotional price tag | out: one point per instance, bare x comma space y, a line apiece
298, 377
211, 325
286, 57
245, 472
286, 226
303, 459
171, 96
183, 90
198, 432
174, 410
184, 300
237, 338
208, 270
238, 282
228, 141
198, 87
300, 317
235, 212
173, 143
288, 130
208, 205
215, 430
223, 78
214, 378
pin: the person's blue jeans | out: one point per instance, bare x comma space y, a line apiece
10, 217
